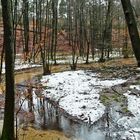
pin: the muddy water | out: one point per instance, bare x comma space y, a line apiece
49, 117
27, 75
22, 76
49, 135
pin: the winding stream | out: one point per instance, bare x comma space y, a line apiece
48, 117
45, 116
20, 77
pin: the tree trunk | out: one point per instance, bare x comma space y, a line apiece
8, 127
132, 26
1, 64
55, 29
26, 27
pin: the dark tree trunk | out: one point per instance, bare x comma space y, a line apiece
69, 18
87, 55
45, 49
1, 64
8, 127
132, 26
55, 29
26, 27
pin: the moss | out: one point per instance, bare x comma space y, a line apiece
137, 82
125, 110
104, 99
120, 99
116, 98
108, 98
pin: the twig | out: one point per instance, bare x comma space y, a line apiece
21, 105
20, 85
115, 90
16, 115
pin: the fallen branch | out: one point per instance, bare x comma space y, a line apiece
31, 86
115, 91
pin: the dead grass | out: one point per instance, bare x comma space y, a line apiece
32, 134
113, 63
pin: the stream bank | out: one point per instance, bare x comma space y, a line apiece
50, 114
113, 124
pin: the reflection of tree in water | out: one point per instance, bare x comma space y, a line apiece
30, 97
52, 116
46, 115
108, 136
107, 111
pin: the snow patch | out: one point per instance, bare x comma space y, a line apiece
78, 92
20, 66
131, 123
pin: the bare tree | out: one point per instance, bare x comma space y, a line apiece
8, 126
132, 26
26, 27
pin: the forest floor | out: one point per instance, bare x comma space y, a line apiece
118, 100
32, 134
100, 93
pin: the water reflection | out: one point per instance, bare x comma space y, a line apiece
80, 131
46, 116
42, 114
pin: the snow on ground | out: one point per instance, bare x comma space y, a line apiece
82, 59
138, 69
1, 125
20, 66
25, 66
19, 62
78, 92
132, 123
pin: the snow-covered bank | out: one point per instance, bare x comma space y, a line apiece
21, 66
1, 125
77, 92
68, 59
132, 123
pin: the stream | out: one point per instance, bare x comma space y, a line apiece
43, 115
48, 117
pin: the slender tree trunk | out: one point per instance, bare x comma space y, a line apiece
55, 29
15, 23
26, 27
81, 28
107, 33
37, 21
34, 33
132, 26
45, 51
8, 127
69, 16
1, 64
